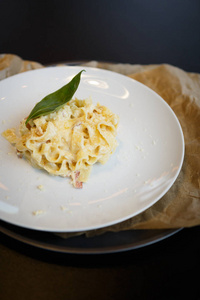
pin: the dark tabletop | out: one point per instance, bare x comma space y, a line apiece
136, 32
168, 269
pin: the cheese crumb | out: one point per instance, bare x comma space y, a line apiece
139, 148
38, 212
64, 208
40, 187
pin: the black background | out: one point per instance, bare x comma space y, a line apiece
136, 32
127, 31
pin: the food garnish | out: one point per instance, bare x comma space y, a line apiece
55, 100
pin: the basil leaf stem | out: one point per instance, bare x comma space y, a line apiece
55, 100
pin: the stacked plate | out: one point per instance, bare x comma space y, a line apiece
142, 169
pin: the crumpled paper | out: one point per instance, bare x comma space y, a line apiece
180, 206
12, 64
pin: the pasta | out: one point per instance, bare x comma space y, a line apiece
68, 142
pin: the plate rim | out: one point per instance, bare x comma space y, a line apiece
144, 86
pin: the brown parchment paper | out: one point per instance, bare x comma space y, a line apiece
180, 206
12, 64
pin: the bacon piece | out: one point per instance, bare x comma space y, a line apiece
19, 154
28, 126
77, 184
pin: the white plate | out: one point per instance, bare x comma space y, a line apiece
143, 168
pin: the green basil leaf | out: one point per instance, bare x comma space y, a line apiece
55, 100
